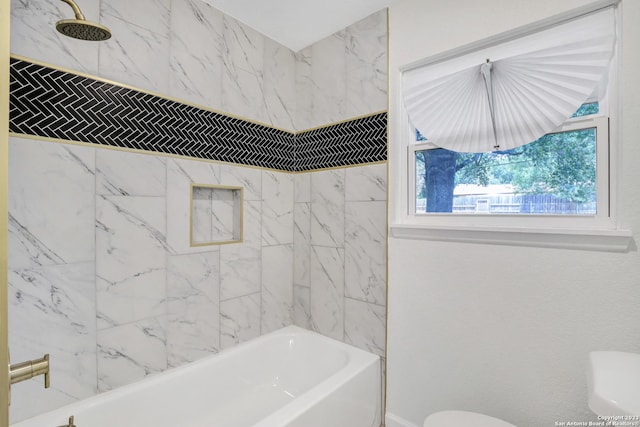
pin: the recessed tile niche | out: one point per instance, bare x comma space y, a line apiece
216, 214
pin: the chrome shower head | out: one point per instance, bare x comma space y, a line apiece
80, 28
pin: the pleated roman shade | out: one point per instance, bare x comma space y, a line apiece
514, 92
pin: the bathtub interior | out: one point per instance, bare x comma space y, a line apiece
238, 387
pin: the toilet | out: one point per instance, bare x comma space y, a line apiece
463, 419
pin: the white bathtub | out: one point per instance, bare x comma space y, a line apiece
291, 377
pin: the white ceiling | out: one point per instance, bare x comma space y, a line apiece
298, 23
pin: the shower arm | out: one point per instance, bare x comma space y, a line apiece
76, 9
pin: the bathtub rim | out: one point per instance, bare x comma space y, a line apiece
358, 361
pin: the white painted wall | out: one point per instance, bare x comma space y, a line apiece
496, 329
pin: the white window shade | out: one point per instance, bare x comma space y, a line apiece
512, 93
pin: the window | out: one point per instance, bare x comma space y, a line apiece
557, 174
499, 157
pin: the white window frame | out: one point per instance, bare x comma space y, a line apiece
597, 232
600, 220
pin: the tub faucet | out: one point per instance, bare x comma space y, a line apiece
32, 368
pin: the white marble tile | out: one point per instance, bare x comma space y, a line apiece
240, 263
135, 56
130, 259
250, 179
301, 309
252, 223
52, 310
365, 183
239, 320
328, 186
181, 173
201, 214
302, 244
130, 352
34, 35
277, 208
240, 271
327, 225
279, 85
277, 287
364, 326
188, 171
304, 90
328, 74
130, 299
243, 71
122, 173
366, 251
193, 307
196, 56
302, 182
225, 215
366, 63
152, 15
243, 95
243, 47
30, 398
51, 203
327, 208
327, 291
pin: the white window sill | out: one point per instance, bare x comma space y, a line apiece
588, 239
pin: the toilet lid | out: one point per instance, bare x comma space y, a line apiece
463, 419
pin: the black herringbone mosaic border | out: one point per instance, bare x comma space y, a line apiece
51, 103
353, 142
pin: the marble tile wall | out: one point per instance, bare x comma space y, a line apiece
189, 50
339, 264
185, 49
52, 295
344, 75
339, 230
94, 282
99, 287
94, 277
340, 257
